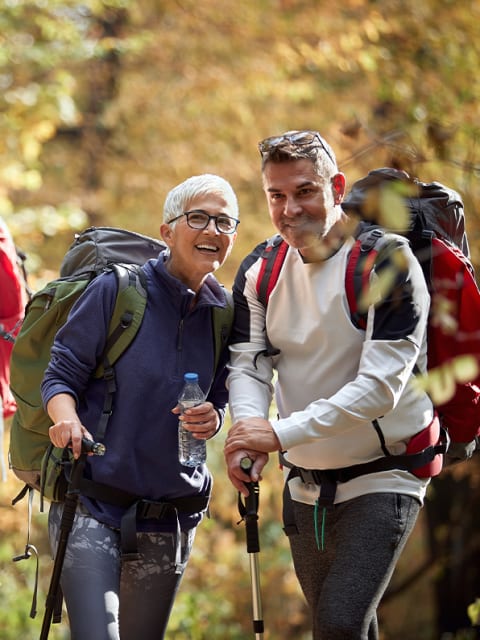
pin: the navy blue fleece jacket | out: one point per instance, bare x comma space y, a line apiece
142, 433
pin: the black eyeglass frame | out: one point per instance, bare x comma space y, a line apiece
297, 139
209, 217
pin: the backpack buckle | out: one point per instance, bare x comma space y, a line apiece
147, 509
371, 239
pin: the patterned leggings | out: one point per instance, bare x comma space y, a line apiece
107, 598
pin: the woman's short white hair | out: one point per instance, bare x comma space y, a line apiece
179, 198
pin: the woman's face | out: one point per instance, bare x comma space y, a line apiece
194, 253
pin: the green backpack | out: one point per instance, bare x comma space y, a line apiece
32, 457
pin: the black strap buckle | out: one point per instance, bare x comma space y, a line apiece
309, 476
150, 509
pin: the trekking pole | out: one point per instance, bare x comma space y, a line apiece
52, 603
249, 512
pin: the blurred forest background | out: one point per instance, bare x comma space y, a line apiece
107, 104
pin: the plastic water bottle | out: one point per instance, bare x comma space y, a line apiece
191, 451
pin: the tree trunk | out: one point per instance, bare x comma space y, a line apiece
453, 519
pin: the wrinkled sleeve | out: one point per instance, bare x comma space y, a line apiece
79, 344
250, 369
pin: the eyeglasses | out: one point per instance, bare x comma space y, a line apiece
199, 219
298, 139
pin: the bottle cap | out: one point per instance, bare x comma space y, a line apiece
191, 377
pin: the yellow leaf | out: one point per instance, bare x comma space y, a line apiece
394, 214
465, 369
441, 384
377, 290
43, 130
473, 611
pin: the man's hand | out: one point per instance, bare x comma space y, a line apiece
237, 476
253, 438
252, 433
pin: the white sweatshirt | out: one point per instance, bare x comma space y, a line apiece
333, 379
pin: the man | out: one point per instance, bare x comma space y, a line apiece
344, 396
109, 593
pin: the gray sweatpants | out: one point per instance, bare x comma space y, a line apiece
108, 598
344, 583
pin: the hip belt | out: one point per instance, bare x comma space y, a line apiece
138, 508
423, 458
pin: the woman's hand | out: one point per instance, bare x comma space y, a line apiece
67, 429
202, 421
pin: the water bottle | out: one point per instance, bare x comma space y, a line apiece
191, 452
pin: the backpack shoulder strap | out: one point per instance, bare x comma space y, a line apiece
128, 311
272, 260
357, 274
222, 320
126, 319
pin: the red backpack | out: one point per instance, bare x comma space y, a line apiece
12, 304
436, 231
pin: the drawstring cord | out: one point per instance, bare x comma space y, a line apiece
319, 539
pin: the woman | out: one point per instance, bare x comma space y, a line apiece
108, 595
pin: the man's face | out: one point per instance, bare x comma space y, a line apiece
301, 204
195, 252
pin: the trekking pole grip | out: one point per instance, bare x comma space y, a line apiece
251, 509
90, 446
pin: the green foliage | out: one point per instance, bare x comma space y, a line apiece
474, 612
197, 616
16, 592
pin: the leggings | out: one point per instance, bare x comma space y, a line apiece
344, 583
107, 598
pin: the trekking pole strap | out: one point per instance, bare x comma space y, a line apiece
29, 548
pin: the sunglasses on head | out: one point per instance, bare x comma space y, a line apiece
297, 139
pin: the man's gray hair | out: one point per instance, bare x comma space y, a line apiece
179, 198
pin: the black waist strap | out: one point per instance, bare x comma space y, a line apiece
404, 462
138, 508
328, 479
151, 509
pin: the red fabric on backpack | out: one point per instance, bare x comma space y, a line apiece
453, 330
270, 270
455, 292
427, 437
12, 304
